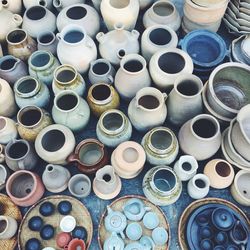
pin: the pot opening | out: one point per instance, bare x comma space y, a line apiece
223, 169
40, 59
8, 64
163, 9
118, 4
22, 185
30, 117
46, 38
204, 128
112, 121
161, 139
53, 140
2, 123
121, 53
188, 88
36, 12
186, 166
66, 76
4, 2
16, 36
17, 150
73, 36
171, 62
42, 3
130, 155
160, 36
27, 86
133, 66
67, 102
164, 180
200, 183
90, 154
106, 178
149, 102
50, 168
77, 12
100, 68
80, 185
101, 92
3, 225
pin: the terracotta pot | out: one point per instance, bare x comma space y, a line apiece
47, 41
75, 244
8, 130
24, 188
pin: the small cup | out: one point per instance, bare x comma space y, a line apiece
8, 227
68, 224
134, 231
79, 185
63, 239
76, 244
160, 236
151, 220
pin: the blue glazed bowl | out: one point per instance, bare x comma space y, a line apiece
80, 233
35, 223
33, 244
64, 207
47, 232
47, 209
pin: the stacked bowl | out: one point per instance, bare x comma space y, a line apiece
240, 49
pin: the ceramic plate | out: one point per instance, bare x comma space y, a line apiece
117, 206
79, 211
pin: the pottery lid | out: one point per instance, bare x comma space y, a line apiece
222, 219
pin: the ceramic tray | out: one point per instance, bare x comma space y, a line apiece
79, 211
117, 206
193, 206
8, 208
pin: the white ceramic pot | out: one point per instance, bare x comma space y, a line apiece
9, 227
8, 130
61, 4
47, 41
15, 6
30, 3
73, 43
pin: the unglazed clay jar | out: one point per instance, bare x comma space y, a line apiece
15, 6
157, 37
82, 15
55, 143
167, 65
102, 97
38, 19
42, 65
125, 12
7, 100
220, 173
30, 91
8, 227
200, 137
89, 156
61, 4
162, 186
162, 12
113, 128
73, 43
133, 72
31, 120
8, 130
47, 41
24, 188
161, 146
30, 3
20, 44
70, 110
147, 109
128, 159
66, 77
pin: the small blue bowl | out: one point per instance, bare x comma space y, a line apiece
35, 223
64, 207
47, 209
80, 233
33, 244
47, 232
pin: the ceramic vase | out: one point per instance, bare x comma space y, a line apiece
20, 44
73, 43
47, 41
113, 128
61, 4
82, 15
24, 188
12, 68
102, 97
15, 6
198, 186
167, 65
125, 12
4, 175
128, 159
30, 3
184, 101
147, 109
117, 43
71, 110
55, 143
38, 19
161, 146
8, 130
7, 100
9, 227
200, 137
162, 186
55, 172
66, 77
79, 185
2, 155
162, 12
133, 72
42, 65
107, 184
31, 120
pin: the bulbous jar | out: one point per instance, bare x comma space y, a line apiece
47, 41
20, 44
71, 110
132, 76
73, 43
8, 130
55, 143
38, 19
113, 128
30, 3
102, 97
61, 4
125, 12
161, 146
147, 109
30, 91
66, 77
15, 6
82, 15
117, 43
31, 120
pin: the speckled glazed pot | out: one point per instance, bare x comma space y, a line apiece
47, 41
24, 188
161, 146
162, 186
102, 97
89, 156
8, 130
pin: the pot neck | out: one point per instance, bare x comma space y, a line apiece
31, 93
52, 171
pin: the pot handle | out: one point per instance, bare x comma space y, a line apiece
111, 79
165, 96
135, 34
58, 36
72, 158
21, 165
17, 19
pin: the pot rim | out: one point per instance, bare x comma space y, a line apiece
117, 9
46, 33
100, 60
77, 176
36, 7
160, 2
235, 184
133, 57
16, 30
51, 61
188, 159
4, 218
203, 178
62, 68
17, 141
8, 57
100, 102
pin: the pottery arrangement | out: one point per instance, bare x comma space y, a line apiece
103, 98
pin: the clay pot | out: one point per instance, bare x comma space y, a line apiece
8, 227
79, 185
47, 41
63, 239
8, 130
4, 175
76, 243
24, 188
89, 156
220, 173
